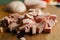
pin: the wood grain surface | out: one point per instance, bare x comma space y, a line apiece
54, 35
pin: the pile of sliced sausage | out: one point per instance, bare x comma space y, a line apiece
34, 21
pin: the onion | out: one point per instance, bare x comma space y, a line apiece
42, 4
35, 3
31, 2
16, 6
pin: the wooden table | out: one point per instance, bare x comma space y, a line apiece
54, 35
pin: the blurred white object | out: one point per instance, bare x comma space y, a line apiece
42, 4
16, 6
37, 3
31, 2
34, 29
23, 38
1, 29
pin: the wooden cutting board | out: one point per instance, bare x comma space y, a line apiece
54, 35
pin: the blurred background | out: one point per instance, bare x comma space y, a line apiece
6, 1
51, 2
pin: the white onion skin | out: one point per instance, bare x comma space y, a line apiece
35, 3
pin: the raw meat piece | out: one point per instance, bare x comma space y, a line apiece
40, 27
33, 13
28, 16
34, 27
31, 10
35, 21
30, 24
54, 18
12, 26
15, 15
47, 28
26, 27
21, 17
28, 21
51, 23
8, 19
39, 19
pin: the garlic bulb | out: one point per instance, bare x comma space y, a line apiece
16, 6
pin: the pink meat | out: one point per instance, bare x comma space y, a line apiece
31, 10
51, 23
15, 15
8, 19
34, 19
30, 24
53, 17
33, 13
29, 16
21, 16
40, 27
13, 26
48, 27
28, 21
39, 19
26, 27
